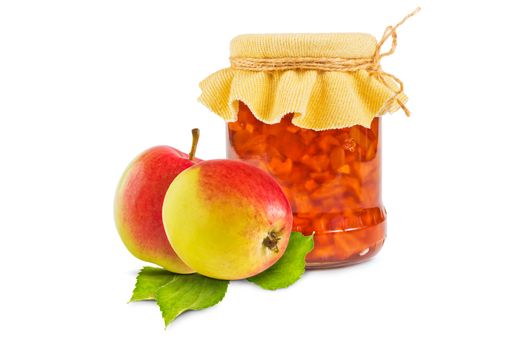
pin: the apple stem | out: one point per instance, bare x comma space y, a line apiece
196, 135
271, 241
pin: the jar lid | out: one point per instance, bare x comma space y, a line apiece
327, 81
345, 45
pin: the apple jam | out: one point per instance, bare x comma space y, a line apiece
332, 179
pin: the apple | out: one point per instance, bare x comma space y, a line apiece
227, 219
138, 204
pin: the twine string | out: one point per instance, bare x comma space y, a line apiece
390, 32
370, 64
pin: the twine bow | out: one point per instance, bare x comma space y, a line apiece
370, 64
376, 69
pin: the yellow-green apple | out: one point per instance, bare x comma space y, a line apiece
227, 219
138, 204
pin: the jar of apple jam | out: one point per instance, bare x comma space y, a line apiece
306, 108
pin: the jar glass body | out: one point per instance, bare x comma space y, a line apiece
332, 179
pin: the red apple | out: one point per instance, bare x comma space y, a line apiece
227, 219
138, 204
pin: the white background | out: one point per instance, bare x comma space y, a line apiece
87, 85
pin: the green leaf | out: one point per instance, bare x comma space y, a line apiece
148, 281
288, 269
189, 292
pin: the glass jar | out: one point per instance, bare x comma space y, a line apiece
307, 108
332, 179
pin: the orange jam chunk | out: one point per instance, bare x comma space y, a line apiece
331, 178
